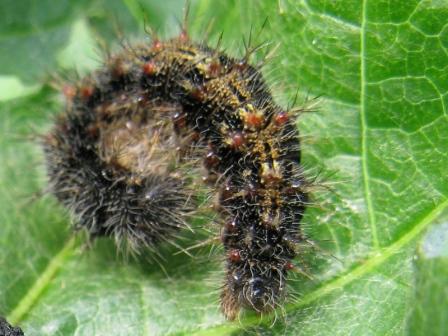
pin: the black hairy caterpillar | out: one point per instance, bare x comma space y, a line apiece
8, 330
117, 156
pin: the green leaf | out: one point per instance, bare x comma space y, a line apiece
429, 304
380, 137
31, 33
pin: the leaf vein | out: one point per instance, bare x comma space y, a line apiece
32, 295
364, 135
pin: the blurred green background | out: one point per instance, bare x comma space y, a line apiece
380, 140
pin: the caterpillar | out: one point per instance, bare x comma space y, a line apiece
116, 159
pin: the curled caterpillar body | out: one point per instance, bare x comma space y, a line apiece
112, 160
115, 159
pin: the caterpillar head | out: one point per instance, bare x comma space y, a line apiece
261, 289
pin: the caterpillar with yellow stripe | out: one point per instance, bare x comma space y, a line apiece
119, 159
